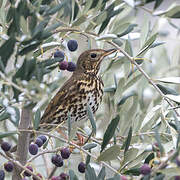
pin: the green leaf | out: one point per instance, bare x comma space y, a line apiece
29, 48
126, 96
120, 28
107, 37
159, 177
76, 10
37, 119
69, 127
147, 45
128, 48
133, 171
91, 118
87, 6
4, 116
79, 21
89, 146
150, 115
72, 175
88, 159
55, 9
110, 132
17, 117
173, 12
103, 26
173, 98
172, 80
150, 41
49, 62
131, 82
90, 173
128, 140
170, 172
119, 90
46, 47
157, 3
102, 174
128, 30
2, 68
118, 41
7, 49
7, 134
37, 31
156, 44
110, 89
116, 177
166, 90
158, 139
130, 155
110, 153
25, 72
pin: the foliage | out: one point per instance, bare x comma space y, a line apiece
134, 114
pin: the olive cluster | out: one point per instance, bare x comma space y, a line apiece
33, 147
64, 65
57, 160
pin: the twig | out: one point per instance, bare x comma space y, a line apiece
72, 144
132, 59
42, 153
164, 163
20, 166
52, 172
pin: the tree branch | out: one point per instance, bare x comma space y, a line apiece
23, 142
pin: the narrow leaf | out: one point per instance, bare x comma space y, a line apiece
173, 98
29, 48
88, 159
166, 90
72, 175
110, 153
110, 132
37, 119
90, 173
128, 140
172, 80
91, 118
157, 137
7, 49
89, 146
102, 174
7, 134
3, 116
147, 45
116, 177
54, 9
69, 127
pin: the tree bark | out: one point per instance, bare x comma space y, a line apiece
23, 142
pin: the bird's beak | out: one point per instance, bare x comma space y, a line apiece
109, 51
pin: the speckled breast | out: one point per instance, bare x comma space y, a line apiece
92, 93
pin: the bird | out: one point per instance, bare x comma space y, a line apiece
84, 88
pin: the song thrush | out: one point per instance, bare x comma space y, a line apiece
83, 88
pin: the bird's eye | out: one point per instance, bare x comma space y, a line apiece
93, 55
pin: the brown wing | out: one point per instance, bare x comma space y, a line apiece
58, 102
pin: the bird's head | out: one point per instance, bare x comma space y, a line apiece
90, 60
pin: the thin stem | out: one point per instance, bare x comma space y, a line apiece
70, 143
145, 75
20, 166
